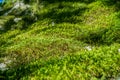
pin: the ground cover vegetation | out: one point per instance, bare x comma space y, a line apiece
60, 40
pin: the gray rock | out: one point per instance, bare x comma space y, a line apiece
17, 19
18, 7
89, 48
3, 66
53, 23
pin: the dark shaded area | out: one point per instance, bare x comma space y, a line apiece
54, 1
6, 7
27, 16
2, 54
110, 2
64, 16
103, 36
5, 10
23, 24
116, 3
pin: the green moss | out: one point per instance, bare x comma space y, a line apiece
69, 40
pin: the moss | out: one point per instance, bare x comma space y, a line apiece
55, 46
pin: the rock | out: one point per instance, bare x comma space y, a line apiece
3, 66
88, 48
17, 19
119, 50
53, 23
20, 5
18, 8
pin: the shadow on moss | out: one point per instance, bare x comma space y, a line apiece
102, 36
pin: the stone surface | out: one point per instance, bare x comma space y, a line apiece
88, 48
119, 50
17, 8
17, 19
3, 66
